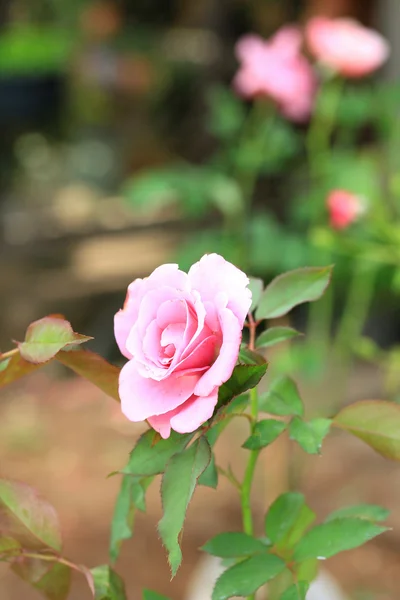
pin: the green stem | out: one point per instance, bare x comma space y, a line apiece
245, 495
354, 315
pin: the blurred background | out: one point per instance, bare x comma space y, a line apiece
119, 151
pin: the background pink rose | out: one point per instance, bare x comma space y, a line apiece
346, 46
276, 69
344, 208
181, 333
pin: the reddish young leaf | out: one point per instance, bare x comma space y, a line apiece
46, 337
93, 367
52, 580
27, 518
16, 367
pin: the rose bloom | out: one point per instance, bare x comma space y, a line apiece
181, 333
276, 69
346, 46
344, 208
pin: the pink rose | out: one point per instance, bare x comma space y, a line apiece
344, 208
346, 46
276, 69
181, 333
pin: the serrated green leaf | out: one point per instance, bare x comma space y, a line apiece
27, 518
306, 570
130, 497
265, 432
234, 544
291, 289
46, 337
369, 512
256, 287
297, 591
249, 357
328, 539
108, 584
243, 378
178, 484
53, 581
209, 477
149, 595
282, 399
245, 578
376, 422
309, 434
276, 335
150, 455
287, 519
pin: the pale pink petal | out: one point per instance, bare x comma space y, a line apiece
223, 366
249, 47
172, 334
186, 418
196, 411
143, 397
287, 41
201, 357
213, 274
151, 344
174, 310
127, 317
346, 46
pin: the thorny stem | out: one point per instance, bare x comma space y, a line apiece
246, 486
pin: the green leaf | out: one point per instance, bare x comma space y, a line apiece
108, 584
287, 519
178, 484
328, 539
227, 113
309, 435
149, 595
275, 335
94, 368
209, 477
306, 570
131, 496
46, 337
290, 289
16, 367
265, 432
245, 578
297, 591
369, 512
27, 518
282, 399
249, 357
256, 287
234, 545
53, 581
243, 378
376, 422
151, 454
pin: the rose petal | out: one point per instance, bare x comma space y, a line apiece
187, 417
227, 278
222, 368
127, 317
143, 397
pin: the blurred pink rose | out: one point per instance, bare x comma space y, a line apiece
344, 208
346, 46
278, 70
181, 333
